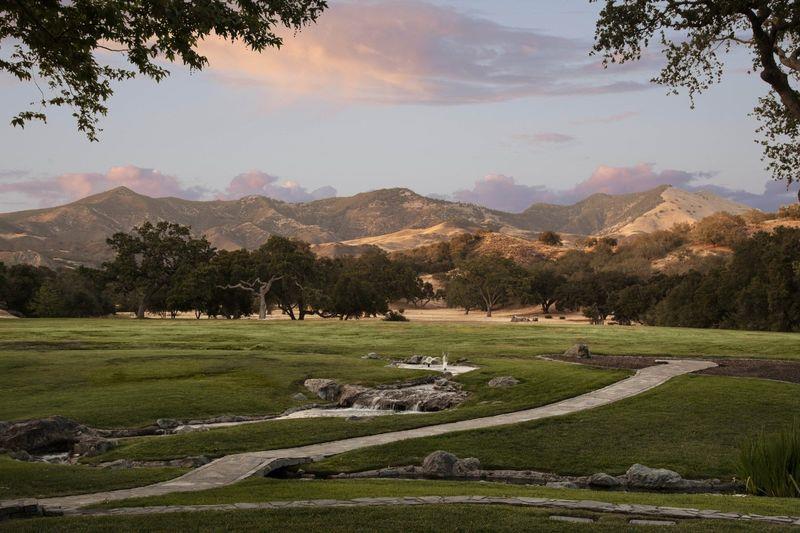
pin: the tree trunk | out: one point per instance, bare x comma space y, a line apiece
262, 304
489, 312
141, 309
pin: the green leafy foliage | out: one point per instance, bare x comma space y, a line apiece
63, 43
695, 36
770, 463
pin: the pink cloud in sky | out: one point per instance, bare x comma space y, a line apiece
501, 192
74, 186
260, 183
407, 51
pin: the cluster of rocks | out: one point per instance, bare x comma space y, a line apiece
31, 440
503, 381
516, 318
426, 360
426, 394
442, 464
185, 462
580, 350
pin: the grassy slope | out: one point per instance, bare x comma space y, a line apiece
692, 424
542, 382
267, 489
31, 480
367, 519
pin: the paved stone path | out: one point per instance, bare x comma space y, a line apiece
232, 468
577, 505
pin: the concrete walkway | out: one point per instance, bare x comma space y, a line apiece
653, 511
232, 468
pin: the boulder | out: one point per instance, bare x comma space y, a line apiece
561, 485
21, 455
167, 423
51, 434
300, 397
326, 389
603, 480
93, 446
467, 466
348, 394
439, 463
371, 355
643, 477
414, 360
579, 350
503, 381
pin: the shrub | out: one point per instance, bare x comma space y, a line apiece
550, 238
395, 316
791, 212
720, 229
770, 463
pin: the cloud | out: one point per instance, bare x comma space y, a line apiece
260, 183
414, 52
498, 191
69, 187
547, 137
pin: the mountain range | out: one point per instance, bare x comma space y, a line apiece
393, 219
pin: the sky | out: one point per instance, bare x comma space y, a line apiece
496, 102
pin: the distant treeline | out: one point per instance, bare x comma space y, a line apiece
161, 268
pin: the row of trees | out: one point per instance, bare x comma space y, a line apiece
758, 287
162, 268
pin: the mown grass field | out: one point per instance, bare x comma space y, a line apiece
691, 424
124, 373
369, 519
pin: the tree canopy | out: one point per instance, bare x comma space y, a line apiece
696, 35
69, 45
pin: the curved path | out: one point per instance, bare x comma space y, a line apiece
232, 468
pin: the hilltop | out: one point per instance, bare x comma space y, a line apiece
393, 219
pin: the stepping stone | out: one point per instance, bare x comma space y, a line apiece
637, 522
572, 519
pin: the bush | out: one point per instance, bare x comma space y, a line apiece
791, 212
770, 463
550, 238
721, 229
395, 316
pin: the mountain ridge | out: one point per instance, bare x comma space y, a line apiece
75, 233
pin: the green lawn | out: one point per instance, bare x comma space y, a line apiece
266, 489
367, 519
692, 424
34, 480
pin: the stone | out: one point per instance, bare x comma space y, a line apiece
561, 485
21, 455
51, 434
640, 522
119, 464
572, 519
439, 463
300, 397
579, 350
603, 480
643, 477
93, 446
326, 389
167, 423
503, 381
414, 360
371, 355
469, 465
